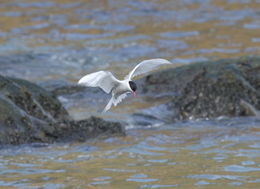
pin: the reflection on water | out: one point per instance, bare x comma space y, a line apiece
77, 37
183, 155
58, 41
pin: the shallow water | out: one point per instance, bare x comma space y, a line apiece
194, 154
57, 41
64, 39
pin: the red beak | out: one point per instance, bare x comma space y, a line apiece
134, 94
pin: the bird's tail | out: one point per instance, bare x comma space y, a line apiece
109, 104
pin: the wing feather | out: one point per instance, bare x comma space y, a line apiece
119, 98
114, 101
146, 66
103, 79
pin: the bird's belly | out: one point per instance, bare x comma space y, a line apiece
121, 89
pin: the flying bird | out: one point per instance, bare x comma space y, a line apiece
119, 88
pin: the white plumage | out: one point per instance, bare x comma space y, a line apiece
119, 88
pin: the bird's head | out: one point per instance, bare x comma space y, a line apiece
133, 87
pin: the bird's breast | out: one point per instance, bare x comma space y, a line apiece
122, 87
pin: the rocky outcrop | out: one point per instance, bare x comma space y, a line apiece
210, 89
28, 113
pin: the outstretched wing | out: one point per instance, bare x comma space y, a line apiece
146, 66
115, 101
119, 98
103, 79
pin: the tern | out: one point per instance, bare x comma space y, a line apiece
119, 88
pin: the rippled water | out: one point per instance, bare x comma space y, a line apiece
57, 41
77, 37
194, 154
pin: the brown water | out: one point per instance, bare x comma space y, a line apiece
80, 36
202, 154
58, 41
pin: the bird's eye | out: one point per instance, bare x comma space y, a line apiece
132, 85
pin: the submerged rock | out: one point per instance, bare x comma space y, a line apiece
210, 89
28, 113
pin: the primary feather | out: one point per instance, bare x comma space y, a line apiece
114, 101
146, 66
103, 79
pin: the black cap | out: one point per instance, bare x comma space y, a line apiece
132, 85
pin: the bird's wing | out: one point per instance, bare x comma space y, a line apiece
109, 104
146, 66
115, 100
119, 98
103, 79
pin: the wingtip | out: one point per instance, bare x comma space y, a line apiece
80, 81
83, 80
162, 60
165, 61
105, 109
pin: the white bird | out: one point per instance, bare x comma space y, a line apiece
119, 88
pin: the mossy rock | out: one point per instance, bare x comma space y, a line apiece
29, 113
210, 89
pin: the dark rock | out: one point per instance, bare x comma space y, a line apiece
210, 89
72, 89
28, 113
94, 127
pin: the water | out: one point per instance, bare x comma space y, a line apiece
77, 37
183, 155
56, 42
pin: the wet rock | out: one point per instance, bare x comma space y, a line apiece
94, 127
28, 113
210, 89
72, 89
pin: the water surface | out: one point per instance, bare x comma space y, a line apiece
192, 154
56, 42
64, 39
